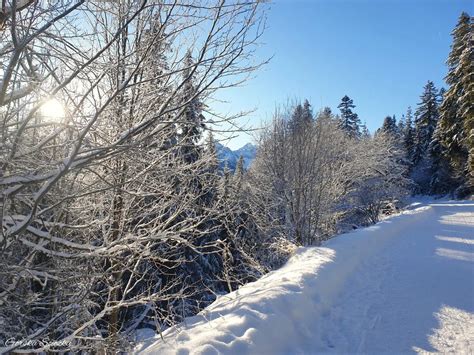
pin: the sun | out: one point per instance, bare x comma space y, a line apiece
52, 110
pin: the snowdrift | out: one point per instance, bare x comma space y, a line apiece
285, 311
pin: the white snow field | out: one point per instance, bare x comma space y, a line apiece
404, 285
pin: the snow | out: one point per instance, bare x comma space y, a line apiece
403, 285
225, 154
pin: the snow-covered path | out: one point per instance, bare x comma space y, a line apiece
404, 285
395, 299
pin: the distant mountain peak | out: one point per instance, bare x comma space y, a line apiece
225, 154
248, 146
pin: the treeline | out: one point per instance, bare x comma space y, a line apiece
438, 140
316, 175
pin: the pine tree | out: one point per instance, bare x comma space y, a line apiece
349, 121
457, 110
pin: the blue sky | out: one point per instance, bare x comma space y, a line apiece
379, 52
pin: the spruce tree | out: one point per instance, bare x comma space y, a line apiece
441, 181
209, 179
364, 131
466, 102
326, 112
349, 121
389, 126
409, 135
401, 125
457, 110
191, 122
441, 94
426, 119
425, 122
210, 158
307, 112
302, 117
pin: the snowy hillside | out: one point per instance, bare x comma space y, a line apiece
403, 285
225, 154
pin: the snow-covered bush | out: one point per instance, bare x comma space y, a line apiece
312, 180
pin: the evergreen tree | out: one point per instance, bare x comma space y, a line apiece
210, 164
349, 121
441, 181
401, 125
209, 174
191, 122
466, 102
364, 131
326, 112
211, 153
307, 112
409, 135
426, 119
441, 94
441, 172
389, 126
302, 117
457, 110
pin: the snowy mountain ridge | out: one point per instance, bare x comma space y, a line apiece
225, 154
401, 285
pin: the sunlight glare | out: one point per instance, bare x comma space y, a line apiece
53, 110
